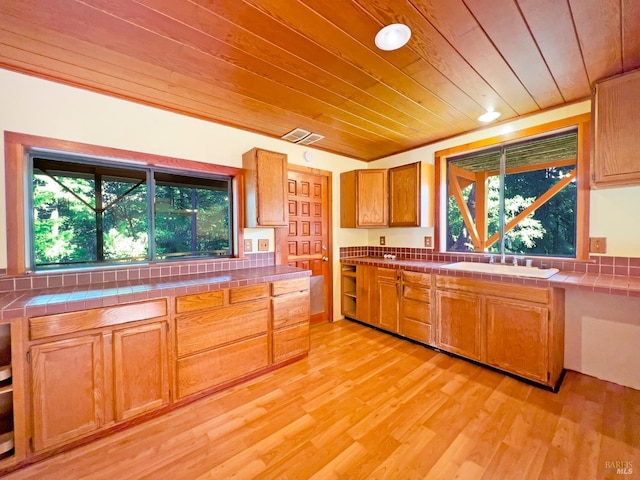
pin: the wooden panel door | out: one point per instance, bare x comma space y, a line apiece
141, 375
517, 338
404, 196
68, 390
459, 320
308, 242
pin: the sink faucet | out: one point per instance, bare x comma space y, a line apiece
507, 242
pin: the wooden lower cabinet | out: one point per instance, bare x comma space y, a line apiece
516, 328
459, 321
252, 328
140, 369
111, 365
68, 390
92, 370
518, 338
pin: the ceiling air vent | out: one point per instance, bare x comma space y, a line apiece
296, 135
309, 139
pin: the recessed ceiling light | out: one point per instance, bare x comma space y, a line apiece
490, 116
393, 36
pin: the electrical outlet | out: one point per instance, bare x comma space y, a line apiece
427, 242
597, 245
248, 245
263, 245
382, 241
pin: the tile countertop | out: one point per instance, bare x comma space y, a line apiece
600, 283
30, 303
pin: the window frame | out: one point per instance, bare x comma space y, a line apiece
583, 125
18, 149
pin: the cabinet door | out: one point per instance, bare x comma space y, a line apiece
459, 317
617, 143
68, 390
372, 198
140, 369
266, 188
365, 284
517, 338
387, 305
404, 196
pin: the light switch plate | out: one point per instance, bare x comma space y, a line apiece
382, 241
263, 245
427, 242
248, 245
597, 245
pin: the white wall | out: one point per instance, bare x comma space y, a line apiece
38, 107
602, 335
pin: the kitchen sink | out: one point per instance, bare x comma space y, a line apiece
503, 269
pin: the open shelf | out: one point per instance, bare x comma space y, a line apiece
349, 296
6, 394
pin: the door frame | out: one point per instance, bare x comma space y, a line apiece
281, 234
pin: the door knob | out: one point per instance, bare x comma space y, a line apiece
325, 259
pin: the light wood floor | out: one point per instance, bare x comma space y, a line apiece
368, 405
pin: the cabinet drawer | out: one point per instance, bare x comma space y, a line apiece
494, 289
290, 309
63, 323
200, 301
388, 274
207, 329
215, 367
422, 279
416, 310
416, 330
290, 342
416, 293
250, 292
289, 286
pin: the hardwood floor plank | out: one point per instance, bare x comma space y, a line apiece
365, 404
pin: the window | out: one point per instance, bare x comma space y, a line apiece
93, 212
522, 195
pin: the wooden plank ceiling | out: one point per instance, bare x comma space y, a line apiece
270, 66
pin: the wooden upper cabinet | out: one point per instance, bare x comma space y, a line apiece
364, 199
265, 188
616, 140
404, 195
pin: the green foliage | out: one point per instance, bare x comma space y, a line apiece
549, 230
189, 220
